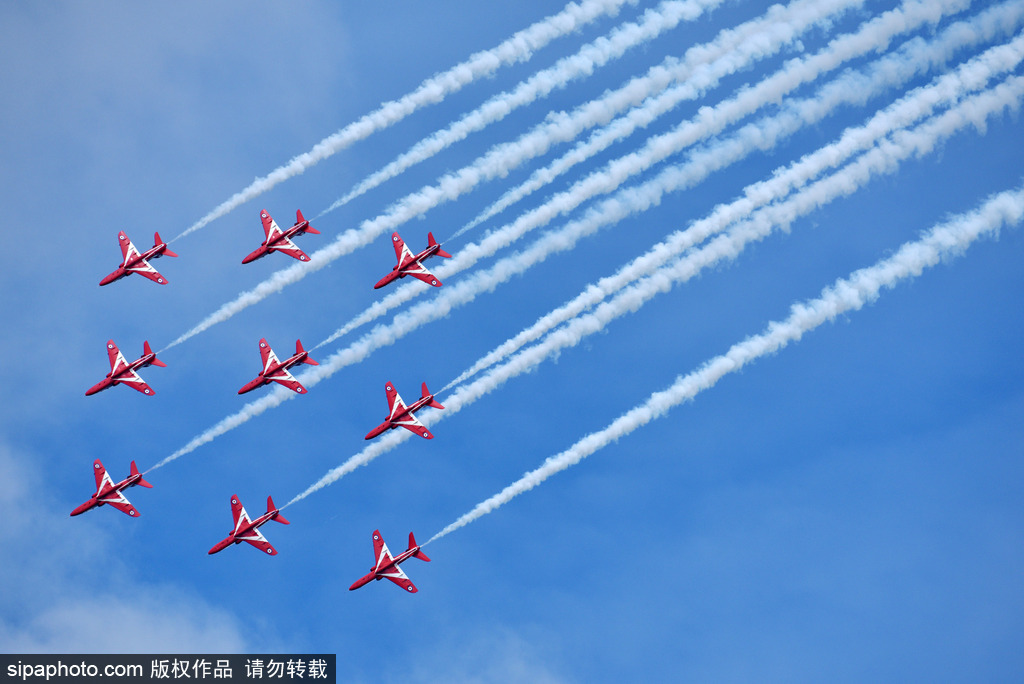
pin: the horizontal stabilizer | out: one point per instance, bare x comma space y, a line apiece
146, 349
440, 252
141, 482
271, 508
167, 251
433, 402
419, 552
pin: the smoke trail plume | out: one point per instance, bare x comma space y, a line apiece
913, 58
850, 294
873, 35
519, 48
919, 103
653, 23
633, 199
882, 159
731, 50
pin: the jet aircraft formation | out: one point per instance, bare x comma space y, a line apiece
273, 370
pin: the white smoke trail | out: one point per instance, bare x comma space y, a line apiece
519, 48
731, 50
882, 159
914, 57
850, 294
919, 103
873, 35
630, 200
652, 23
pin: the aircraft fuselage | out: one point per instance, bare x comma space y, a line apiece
378, 573
392, 422
97, 499
264, 379
267, 246
124, 270
113, 379
401, 270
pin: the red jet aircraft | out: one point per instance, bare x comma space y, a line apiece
278, 370
412, 265
109, 493
387, 567
280, 240
137, 262
402, 416
122, 371
245, 530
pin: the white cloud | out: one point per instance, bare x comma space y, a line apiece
66, 591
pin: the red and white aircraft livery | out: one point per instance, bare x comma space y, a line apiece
245, 530
277, 371
280, 240
138, 262
109, 493
412, 265
123, 372
387, 567
402, 415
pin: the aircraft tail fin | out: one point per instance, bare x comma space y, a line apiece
167, 250
146, 349
141, 482
271, 508
433, 402
309, 227
419, 552
299, 349
440, 252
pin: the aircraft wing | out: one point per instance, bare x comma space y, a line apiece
396, 575
270, 227
128, 250
395, 403
117, 500
282, 376
256, 538
238, 513
418, 270
117, 360
102, 476
133, 380
402, 251
410, 423
286, 246
267, 355
144, 269
380, 551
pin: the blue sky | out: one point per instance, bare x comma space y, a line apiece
845, 509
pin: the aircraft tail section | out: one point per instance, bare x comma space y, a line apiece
299, 349
167, 250
309, 228
419, 552
433, 402
440, 252
141, 482
146, 349
271, 508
